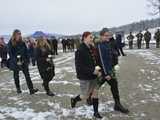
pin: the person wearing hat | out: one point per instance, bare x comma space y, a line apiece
19, 61
44, 57
107, 63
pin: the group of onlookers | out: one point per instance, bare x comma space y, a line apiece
68, 45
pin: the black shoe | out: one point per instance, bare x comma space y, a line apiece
19, 91
73, 102
97, 115
121, 109
33, 91
50, 94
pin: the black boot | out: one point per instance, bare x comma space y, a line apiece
18, 88
49, 93
95, 107
46, 87
33, 91
19, 91
75, 100
17, 84
119, 107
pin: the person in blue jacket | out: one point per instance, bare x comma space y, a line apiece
106, 58
19, 60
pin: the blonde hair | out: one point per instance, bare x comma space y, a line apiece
13, 38
42, 43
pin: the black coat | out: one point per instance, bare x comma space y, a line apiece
84, 62
46, 69
114, 51
19, 49
3, 52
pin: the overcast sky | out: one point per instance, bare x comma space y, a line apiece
68, 16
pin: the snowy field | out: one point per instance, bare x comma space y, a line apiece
139, 84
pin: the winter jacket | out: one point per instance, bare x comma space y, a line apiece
84, 63
20, 49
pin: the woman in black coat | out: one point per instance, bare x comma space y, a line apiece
19, 61
87, 73
45, 63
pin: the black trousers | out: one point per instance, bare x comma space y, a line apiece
120, 51
33, 61
139, 44
130, 44
46, 85
114, 89
55, 48
46, 75
147, 45
72, 46
25, 71
157, 44
64, 48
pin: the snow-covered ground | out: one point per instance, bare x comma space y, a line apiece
139, 83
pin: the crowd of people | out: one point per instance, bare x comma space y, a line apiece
95, 62
68, 45
143, 38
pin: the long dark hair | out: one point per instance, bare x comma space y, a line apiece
13, 38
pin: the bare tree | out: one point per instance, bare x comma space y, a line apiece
155, 5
